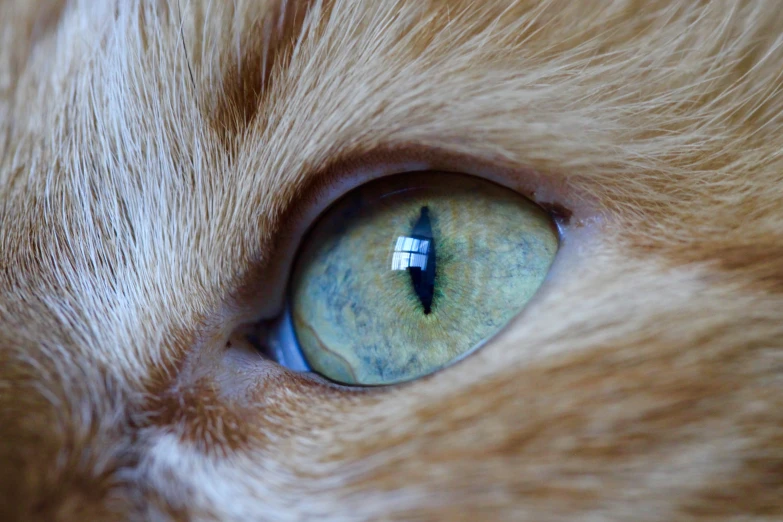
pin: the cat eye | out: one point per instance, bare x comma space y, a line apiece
407, 274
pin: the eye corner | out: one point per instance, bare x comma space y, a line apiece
559, 213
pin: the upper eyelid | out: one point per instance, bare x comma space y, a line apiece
336, 181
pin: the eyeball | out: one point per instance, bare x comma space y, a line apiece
408, 274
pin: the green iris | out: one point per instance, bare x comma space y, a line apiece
406, 274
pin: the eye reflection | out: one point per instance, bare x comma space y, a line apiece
410, 273
416, 253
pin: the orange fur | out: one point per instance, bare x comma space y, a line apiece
159, 161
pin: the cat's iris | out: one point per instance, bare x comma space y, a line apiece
406, 274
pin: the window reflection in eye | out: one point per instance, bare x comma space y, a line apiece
410, 252
407, 274
416, 253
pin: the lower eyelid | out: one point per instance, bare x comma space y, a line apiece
281, 346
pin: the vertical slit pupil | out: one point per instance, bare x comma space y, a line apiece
423, 280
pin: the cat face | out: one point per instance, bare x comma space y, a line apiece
160, 162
